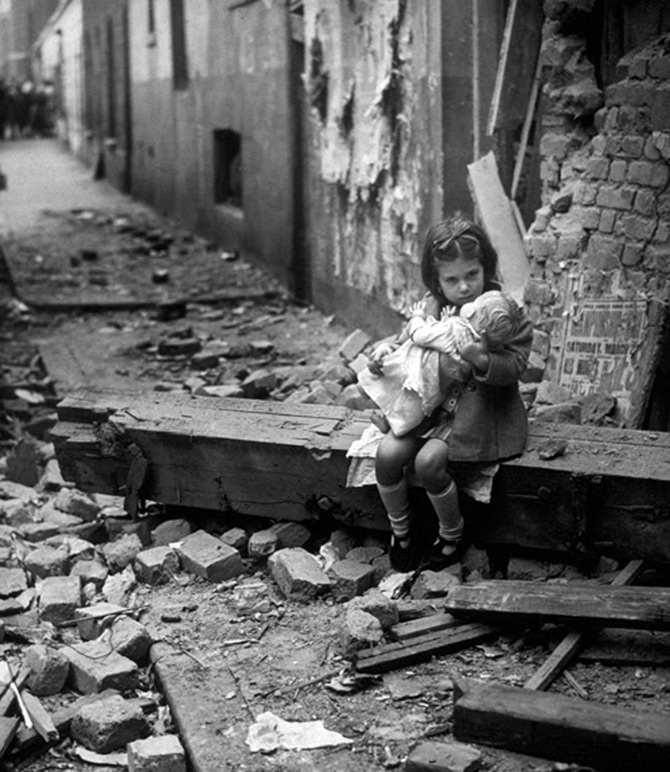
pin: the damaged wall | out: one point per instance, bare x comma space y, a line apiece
228, 90
600, 244
374, 155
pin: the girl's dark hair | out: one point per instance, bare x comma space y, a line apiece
451, 239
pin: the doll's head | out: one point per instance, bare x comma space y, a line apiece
450, 240
495, 314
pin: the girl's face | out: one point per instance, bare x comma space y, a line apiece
461, 280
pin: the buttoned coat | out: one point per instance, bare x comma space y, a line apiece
490, 419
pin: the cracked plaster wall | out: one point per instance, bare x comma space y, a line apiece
600, 244
373, 88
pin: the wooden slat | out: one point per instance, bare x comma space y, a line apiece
394, 655
556, 727
499, 601
41, 719
404, 631
518, 54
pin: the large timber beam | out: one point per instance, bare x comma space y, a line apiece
576, 488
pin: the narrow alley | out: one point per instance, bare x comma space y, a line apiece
198, 568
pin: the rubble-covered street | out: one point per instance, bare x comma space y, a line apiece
237, 642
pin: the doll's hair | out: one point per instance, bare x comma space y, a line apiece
495, 314
453, 238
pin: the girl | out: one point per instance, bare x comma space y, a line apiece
480, 422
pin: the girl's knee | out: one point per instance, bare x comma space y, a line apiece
430, 466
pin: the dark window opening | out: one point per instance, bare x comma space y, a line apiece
179, 62
151, 23
227, 167
111, 81
151, 17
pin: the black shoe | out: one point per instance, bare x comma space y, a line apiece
437, 559
406, 558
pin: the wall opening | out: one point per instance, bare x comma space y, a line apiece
179, 59
111, 81
227, 167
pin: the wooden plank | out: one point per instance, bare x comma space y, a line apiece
525, 132
500, 601
519, 52
495, 213
8, 729
561, 728
394, 655
8, 694
404, 631
41, 719
573, 641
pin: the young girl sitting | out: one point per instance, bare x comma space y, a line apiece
406, 383
476, 423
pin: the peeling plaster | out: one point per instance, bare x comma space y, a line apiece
362, 52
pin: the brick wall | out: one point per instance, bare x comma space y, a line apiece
602, 235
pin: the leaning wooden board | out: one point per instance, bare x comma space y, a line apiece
609, 490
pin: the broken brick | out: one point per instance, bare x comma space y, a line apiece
109, 724
204, 555
157, 754
60, 597
94, 667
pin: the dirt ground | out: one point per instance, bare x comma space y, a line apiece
242, 649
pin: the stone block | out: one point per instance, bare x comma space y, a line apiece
47, 561
204, 555
170, 531
359, 630
157, 754
236, 538
76, 503
443, 757
379, 605
157, 565
122, 552
129, 638
60, 597
109, 724
351, 578
353, 345
291, 534
90, 571
262, 544
92, 620
13, 581
122, 526
48, 667
38, 532
94, 667
298, 574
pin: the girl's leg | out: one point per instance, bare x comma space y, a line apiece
393, 454
431, 468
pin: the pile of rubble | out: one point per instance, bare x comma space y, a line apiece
71, 566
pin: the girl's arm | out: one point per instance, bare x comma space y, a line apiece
501, 367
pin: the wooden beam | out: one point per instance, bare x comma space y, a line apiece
389, 656
561, 728
41, 720
607, 492
573, 641
508, 601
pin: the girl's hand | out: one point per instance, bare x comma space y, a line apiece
477, 353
